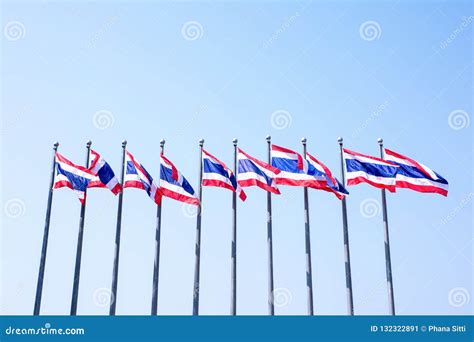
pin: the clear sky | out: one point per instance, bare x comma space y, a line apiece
105, 71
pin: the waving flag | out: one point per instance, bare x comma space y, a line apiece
295, 170
174, 185
377, 172
105, 177
416, 176
137, 177
72, 176
253, 172
215, 173
332, 184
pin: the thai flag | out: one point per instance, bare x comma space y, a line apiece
174, 185
253, 172
215, 173
137, 177
332, 184
105, 177
72, 176
416, 176
377, 172
295, 170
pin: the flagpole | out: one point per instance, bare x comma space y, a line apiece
388, 261
233, 283
345, 229
113, 294
39, 285
271, 304
309, 272
198, 238
156, 265
77, 269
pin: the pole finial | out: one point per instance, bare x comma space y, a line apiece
380, 141
88, 143
340, 140
124, 143
304, 140
235, 141
162, 143
55, 145
201, 142
268, 138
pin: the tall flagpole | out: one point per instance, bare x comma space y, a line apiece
113, 294
198, 238
345, 229
156, 265
39, 285
77, 269
271, 302
388, 261
309, 272
233, 283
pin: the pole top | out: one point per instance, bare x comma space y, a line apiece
380, 141
303, 140
340, 140
124, 143
201, 142
268, 138
162, 143
55, 145
88, 143
235, 141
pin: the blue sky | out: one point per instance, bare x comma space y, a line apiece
105, 71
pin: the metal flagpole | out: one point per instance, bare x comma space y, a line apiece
77, 269
113, 294
156, 265
198, 237
345, 229
271, 302
233, 283
388, 262
39, 285
309, 272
